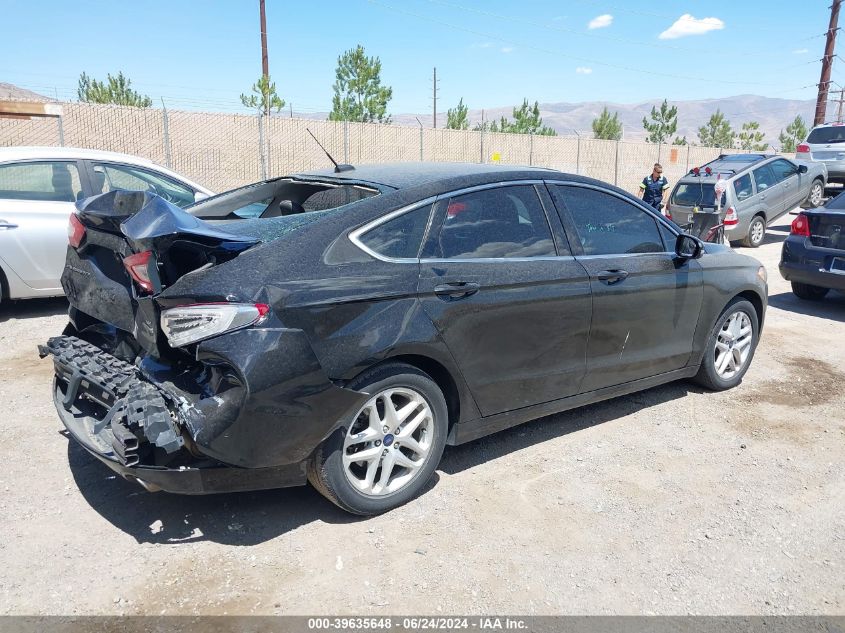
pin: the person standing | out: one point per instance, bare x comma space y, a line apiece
653, 187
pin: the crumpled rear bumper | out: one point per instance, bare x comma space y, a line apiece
132, 426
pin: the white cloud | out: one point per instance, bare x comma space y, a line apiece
583, 70
800, 51
507, 49
600, 21
689, 25
483, 45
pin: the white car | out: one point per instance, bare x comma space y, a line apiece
39, 187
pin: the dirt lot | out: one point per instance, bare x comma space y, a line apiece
671, 501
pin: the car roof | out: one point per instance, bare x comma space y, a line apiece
728, 165
410, 174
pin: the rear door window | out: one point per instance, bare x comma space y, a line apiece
111, 176
765, 178
46, 181
501, 222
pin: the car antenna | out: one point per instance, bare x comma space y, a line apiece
337, 167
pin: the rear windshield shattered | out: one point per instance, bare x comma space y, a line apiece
268, 229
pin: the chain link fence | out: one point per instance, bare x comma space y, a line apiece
222, 151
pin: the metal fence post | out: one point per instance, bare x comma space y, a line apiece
687, 169
421, 137
167, 156
659, 147
61, 131
346, 142
530, 149
616, 165
578, 155
261, 147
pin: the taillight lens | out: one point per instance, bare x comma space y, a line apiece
75, 231
192, 323
731, 218
138, 267
800, 226
803, 148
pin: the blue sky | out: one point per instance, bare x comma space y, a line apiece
204, 54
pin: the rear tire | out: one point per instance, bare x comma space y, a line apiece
400, 432
756, 232
730, 347
816, 195
808, 292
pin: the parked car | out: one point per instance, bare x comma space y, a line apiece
761, 188
366, 318
825, 144
38, 189
813, 255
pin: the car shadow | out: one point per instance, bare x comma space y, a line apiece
831, 307
466, 456
32, 308
250, 518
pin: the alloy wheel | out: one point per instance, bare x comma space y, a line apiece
388, 442
758, 231
816, 194
733, 345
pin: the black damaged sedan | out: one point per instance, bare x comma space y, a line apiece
342, 327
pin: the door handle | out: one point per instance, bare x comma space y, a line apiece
456, 290
611, 277
7, 225
762, 196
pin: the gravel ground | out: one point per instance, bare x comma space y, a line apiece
670, 501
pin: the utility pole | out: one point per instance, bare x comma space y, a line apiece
434, 96
265, 64
827, 63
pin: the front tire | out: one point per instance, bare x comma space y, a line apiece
730, 347
756, 232
385, 454
808, 292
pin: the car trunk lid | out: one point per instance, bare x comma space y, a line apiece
120, 224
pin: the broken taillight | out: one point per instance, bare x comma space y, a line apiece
138, 267
800, 226
75, 231
192, 323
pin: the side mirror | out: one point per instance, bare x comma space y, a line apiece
802, 169
688, 247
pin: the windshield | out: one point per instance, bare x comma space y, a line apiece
834, 134
695, 194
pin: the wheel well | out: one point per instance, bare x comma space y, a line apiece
4, 285
755, 300
441, 376
762, 214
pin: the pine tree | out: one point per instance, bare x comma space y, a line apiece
265, 97
751, 138
607, 127
457, 119
794, 134
358, 93
717, 132
114, 90
664, 123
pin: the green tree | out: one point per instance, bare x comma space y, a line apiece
114, 90
527, 120
457, 119
358, 93
264, 97
751, 138
795, 133
664, 123
717, 132
607, 127
680, 141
